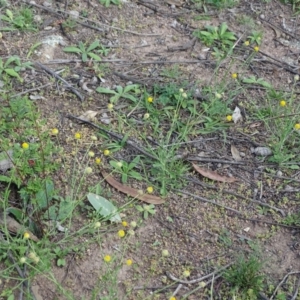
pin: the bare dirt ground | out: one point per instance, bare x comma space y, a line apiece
146, 40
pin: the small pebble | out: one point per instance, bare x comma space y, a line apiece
279, 173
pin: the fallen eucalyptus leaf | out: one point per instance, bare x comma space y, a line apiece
235, 153
131, 192
213, 175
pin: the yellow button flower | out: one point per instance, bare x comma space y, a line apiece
297, 126
77, 136
256, 48
150, 99
110, 106
121, 233
107, 258
54, 131
25, 146
172, 298
22, 260
98, 161
128, 262
282, 103
186, 273
124, 223
91, 154
26, 235
150, 189
106, 152
234, 75
229, 118
246, 43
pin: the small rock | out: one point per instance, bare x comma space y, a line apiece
279, 173
242, 154
105, 119
48, 28
74, 14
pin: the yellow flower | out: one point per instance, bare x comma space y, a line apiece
110, 106
146, 116
107, 258
91, 154
229, 118
97, 225
88, 170
98, 161
94, 138
247, 43
172, 298
150, 99
131, 232
234, 75
256, 48
150, 189
106, 152
133, 224
121, 233
22, 260
297, 126
119, 164
128, 262
184, 95
282, 103
186, 273
54, 131
77, 136
36, 259
165, 253
181, 91
25, 146
26, 235
124, 223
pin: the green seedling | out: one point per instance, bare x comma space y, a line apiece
146, 210
19, 20
221, 36
92, 51
107, 3
12, 67
255, 37
259, 81
126, 169
121, 92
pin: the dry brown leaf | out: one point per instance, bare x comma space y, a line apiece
14, 227
213, 175
89, 115
235, 153
131, 191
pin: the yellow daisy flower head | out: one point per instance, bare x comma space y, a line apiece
97, 161
165, 253
97, 225
26, 235
77, 136
94, 138
106, 152
124, 223
107, 258
91, 154
234, 75
110, 106
246, 43
133, 224
229, 118
282, 103
186, 273
54, 131
129, 262
121, 233
88, 170
150, 99
297, 126
172, 298
22, 260
256, 48
25, 146
184, 95
146, 116
150, 189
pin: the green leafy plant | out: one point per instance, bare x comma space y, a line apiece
126, 169
260, 81
91, 51
146, 210
12, 66
129, 92
255, 37
21, 19
107, 3
220, 36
